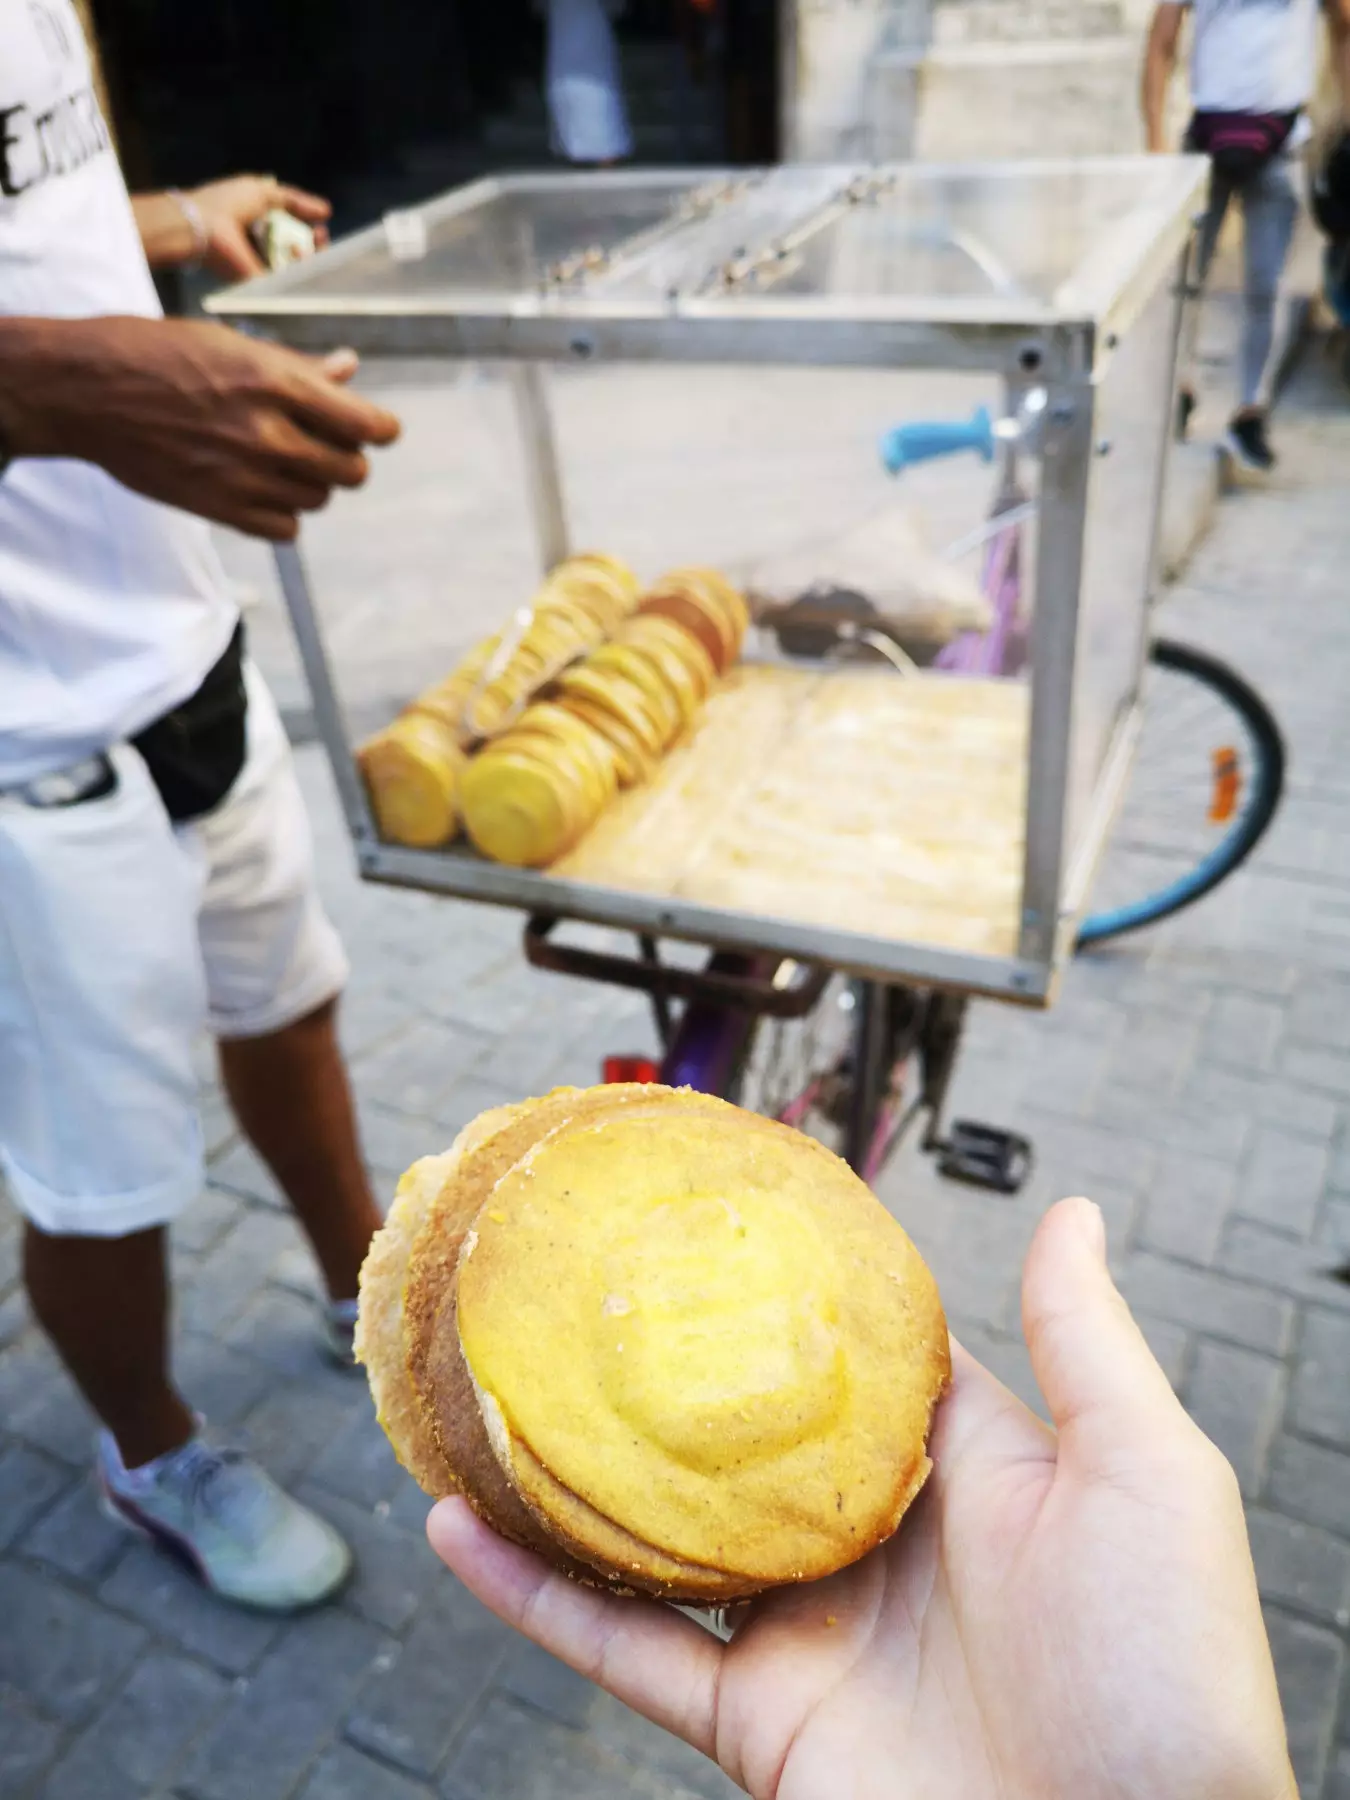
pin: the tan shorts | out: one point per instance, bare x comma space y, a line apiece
123, 938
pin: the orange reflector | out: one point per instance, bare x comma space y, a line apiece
1227, 786
630, 1068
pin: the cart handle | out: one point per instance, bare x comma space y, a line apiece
924, 440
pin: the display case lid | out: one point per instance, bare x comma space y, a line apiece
682, 262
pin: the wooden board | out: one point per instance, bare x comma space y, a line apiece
871, 802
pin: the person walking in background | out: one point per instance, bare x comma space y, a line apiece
156, 880
1253, 71
584, 83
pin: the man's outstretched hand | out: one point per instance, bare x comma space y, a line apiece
197, 415
225, 211
1061, 1617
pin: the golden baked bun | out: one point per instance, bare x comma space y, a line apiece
676, 1348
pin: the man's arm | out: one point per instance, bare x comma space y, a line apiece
1160, 59
211, 224
196, 415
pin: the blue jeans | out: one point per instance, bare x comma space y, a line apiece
1269, 202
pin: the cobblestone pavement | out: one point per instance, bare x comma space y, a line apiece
1197, 1082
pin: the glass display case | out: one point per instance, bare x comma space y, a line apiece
703, 369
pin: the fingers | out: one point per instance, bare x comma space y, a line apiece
232, 254
292, 454
653, 1659
1106, 1393
340, 365
979, 1417
325, 407
312, 208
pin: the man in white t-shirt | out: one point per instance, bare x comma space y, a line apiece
1253, 70
155, 866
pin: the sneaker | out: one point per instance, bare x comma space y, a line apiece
1248, 444
1186, 404
338, 1330
229, 1522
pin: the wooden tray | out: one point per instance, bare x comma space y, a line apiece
864, 801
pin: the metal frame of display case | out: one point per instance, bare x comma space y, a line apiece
1062, 346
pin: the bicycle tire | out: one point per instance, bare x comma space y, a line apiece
1246, 831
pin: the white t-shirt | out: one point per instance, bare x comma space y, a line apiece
1256, 56
112, 608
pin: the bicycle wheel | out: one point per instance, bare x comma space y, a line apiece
800, 1070
1207, 777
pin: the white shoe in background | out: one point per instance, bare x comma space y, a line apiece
222, 1516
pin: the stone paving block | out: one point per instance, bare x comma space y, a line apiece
1186, 1124
467, 1099
1319, 1013
1235, 1397
395, 1569
29, 1484
15, 1317
39, 1403
1283, 1181
289, 1427
393, 1141
1187, 1203
1310, 1481
1320, 1397
345, 1774
359, 1464
1306, 1271
27, 1743
508, 1754
1170, 1343
1309, 1663
1210, 1303
1152, 1058
416, 1707
239, 1170
151, 1587
76, 1536
1333, 1224
220, 1382
415, 1068
1300, 1565
1265, 1099
59, 1650
1242, 1031
277, 1722
1326, 1071
539, 1680
620, 1729
135, 1744
228, 1277
280, 1328
214, 1212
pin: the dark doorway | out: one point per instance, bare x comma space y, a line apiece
382, 102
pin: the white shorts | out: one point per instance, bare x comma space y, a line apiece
122, 939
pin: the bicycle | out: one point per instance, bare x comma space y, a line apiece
854, 1062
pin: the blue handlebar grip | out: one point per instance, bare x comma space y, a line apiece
921, 442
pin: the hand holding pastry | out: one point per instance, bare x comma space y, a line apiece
1068, 1617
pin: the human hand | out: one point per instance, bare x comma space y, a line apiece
1058, 1618
228, 208
196, 415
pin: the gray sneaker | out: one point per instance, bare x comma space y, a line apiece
338, 1336
228, 1522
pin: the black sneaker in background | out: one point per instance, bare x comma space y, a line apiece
1248, 444
1186, 404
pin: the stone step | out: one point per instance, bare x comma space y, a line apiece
1022, 21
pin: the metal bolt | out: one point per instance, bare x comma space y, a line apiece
582, 346
1104, 446
1062, 412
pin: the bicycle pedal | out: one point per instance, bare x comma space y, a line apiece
983, 1156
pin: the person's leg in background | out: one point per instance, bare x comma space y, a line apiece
274, 970
102, 994
1202, 256
290, 1093
1269, 213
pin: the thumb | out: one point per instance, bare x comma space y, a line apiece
1108, 1397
